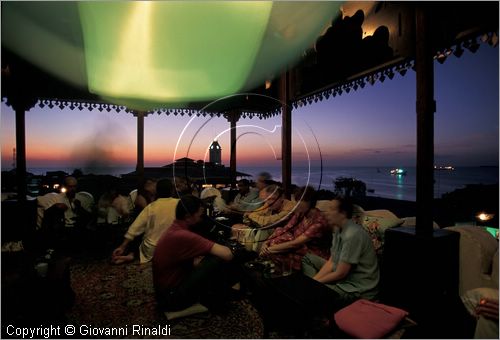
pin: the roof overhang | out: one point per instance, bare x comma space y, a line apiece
366, 42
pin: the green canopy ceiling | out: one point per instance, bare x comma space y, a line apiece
146, 54
154, 56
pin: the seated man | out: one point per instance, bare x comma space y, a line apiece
352, 270
306, 231
75, 214
213, 199
188, 268
246, 200
308, 302
183, 186
276, 207
114, 208
259, 225
263, 180
152, 222
144, 195
64, 217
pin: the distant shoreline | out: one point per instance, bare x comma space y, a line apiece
379, 182
128, 168
472, 196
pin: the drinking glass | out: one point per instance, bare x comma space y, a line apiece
248, 243
287, 265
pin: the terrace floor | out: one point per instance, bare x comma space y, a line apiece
106, 295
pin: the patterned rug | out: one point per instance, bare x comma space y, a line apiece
119, 298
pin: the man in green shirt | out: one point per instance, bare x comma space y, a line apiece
352, 269
309, 301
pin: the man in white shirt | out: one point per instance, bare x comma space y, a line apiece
152, 222
63, 217
69, 202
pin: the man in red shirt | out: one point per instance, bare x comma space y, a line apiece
188, 268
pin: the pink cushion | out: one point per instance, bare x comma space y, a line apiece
364, 319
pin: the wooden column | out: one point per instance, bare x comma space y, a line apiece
21, 101
140, 145
286, 134
426, 106
20, 93
21, 153
414, 255
233, 118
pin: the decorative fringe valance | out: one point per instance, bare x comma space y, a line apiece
204, 113
80, 105
402, 67
471, 44
356, 83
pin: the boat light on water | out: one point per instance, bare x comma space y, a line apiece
447, 167
398, 172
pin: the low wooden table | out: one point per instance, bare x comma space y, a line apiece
283, 303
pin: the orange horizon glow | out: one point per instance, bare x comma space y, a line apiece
247, 154
373, 127
252, 150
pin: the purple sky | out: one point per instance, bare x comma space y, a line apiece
374, 126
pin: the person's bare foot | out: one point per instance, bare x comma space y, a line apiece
120, 259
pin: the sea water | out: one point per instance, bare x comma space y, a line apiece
379, 182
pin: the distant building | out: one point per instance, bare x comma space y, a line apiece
215, 153
198, 172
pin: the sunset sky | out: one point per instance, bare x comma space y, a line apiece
374, 126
